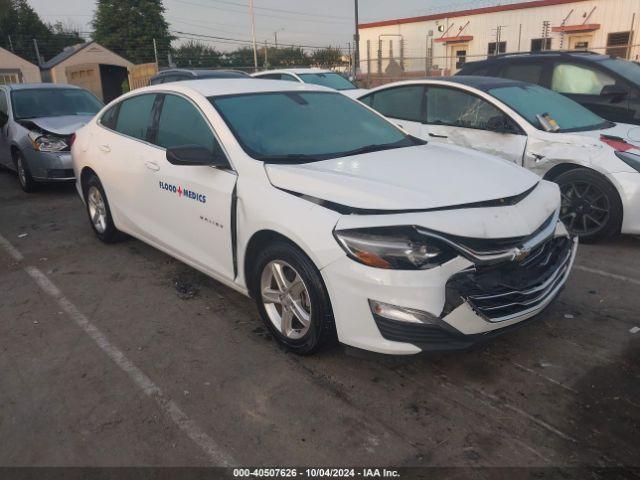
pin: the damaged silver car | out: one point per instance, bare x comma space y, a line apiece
37, 122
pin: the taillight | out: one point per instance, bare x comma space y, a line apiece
72, 139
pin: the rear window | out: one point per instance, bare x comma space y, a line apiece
524, 72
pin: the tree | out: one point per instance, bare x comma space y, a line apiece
197, 55
128, 27
289, 57
328, 57
22, 24
239, 58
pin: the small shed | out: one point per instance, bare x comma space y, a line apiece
15, 69
91, 66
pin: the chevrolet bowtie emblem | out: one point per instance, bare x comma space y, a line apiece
520, 254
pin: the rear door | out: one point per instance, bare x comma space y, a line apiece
584, 83
462, 118
404, 106
188, 207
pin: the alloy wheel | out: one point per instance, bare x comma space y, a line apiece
286, 299
97, 209
585, 208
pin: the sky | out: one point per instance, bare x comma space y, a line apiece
301, 22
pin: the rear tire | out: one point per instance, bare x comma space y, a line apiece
99, 212
591, 207
27, 183
292, 299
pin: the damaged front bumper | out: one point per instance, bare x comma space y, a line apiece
465, 302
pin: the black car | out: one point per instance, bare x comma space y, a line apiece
180, 74
608, 86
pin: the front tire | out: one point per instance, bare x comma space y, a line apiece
27, 183
99, 212
292, 299
591, 207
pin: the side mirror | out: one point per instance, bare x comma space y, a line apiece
4, 118
195, 155
500, 124
613, 91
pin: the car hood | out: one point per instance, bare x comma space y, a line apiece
413, 178
64, 125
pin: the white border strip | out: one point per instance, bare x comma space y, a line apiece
210, 447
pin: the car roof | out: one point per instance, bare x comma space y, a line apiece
586, 55
296, 71
481, 83
33, 86
196, 72
237, 86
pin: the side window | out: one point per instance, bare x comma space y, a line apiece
368, 100
579, 79
181, 123
4, 107
134, 116
524, 72
403, 103
288, 78
109, 117
270, 76
447, 106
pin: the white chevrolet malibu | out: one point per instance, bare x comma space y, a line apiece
335, 221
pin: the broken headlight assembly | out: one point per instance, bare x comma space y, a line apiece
630, 159
47, 142
397, 248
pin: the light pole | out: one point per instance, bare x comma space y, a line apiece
356, 38
253, 35
275, 35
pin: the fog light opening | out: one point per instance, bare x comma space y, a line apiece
401, 314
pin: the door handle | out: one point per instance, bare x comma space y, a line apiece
105, 148
152, 166
435, 135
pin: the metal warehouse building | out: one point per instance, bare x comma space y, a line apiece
439, 44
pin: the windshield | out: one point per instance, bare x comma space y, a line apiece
332, 80
624, 68
297, 127
53, 102
532, 102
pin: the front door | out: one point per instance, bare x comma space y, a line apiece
189, 206
461, 118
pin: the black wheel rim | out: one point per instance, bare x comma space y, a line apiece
585, 208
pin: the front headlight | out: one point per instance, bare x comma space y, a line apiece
46, 142
399, 248
630, 159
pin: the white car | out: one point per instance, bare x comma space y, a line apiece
314, 76
332, 218
593, 160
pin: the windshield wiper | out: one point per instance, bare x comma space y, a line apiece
293, 158
371, 148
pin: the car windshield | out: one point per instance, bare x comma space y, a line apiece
53, 102
300, 127
331, 80
534, 102
624, 68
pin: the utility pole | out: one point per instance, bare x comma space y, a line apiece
35, 44
253, 35
155, 51
266, 58
275, 36
10, 43
356, 38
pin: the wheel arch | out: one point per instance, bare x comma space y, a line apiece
85, 174
259, 239
561, 168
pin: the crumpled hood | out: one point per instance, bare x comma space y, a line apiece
64, 125
422, 177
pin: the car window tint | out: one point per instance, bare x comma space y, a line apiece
288, 78
108, 118
579, 79
134, 116
524, 72
182, 124
270, 76
446, 106
404, 103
